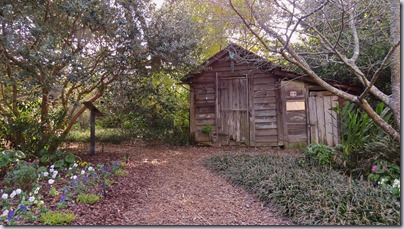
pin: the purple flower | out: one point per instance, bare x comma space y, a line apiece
74, 183
85, 178
10, 215
374, 169
116, 162
23, 207
62, 198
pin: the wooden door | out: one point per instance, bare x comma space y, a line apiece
233, 111
323, 125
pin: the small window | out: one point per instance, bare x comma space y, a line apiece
295, 106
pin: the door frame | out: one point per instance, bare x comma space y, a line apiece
218, 121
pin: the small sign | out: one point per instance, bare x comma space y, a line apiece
293, 93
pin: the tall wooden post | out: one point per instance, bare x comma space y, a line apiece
94, 112
92, 133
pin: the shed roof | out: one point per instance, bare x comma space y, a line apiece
242, 54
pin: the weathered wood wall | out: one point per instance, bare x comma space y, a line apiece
294, 106
265, 110
245, 110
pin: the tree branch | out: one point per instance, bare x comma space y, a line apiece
379, 70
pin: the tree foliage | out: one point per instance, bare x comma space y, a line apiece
54, 55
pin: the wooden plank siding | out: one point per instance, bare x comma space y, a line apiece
265, 109
295, 118
249, 100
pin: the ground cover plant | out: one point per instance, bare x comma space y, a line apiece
32, 193
309, 194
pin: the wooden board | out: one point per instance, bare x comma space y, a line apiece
322, 119
233, 109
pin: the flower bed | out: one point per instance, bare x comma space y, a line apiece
49, 194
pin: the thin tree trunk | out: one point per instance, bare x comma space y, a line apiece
395, 61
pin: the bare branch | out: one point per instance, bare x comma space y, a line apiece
379, 70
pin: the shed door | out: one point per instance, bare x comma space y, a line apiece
323, 126
233, 109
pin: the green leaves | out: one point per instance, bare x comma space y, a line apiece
8, 157
306, 193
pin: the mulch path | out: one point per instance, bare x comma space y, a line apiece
169, 185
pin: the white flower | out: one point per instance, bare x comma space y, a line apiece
45, 174
75, 165
50, 181
82, 172
51, 170
73, 177
70, 168
4, 196
13, 194
36, 190
396, 183
52, 166
31, 199
382, 181
5, 213
90, 168
55, 173
18, 191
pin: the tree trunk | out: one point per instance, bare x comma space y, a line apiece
395, 61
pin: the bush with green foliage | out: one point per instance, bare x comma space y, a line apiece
207, 129
9, 157
387, 176
57, 218
319, 153
58, 158
362, 141
84, 198
23, 175
308, 194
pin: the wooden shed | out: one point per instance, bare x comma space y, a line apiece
244, 99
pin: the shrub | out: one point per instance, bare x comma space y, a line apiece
306, 193
87, 198
362, 141
8, 157
319, 153
22, 175
207, 129
57, 218
120, 173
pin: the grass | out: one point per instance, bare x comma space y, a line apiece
109, 135
306, 193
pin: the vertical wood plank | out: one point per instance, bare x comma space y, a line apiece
217, 111
328, 120
247, 121
192, 118
279, 115
320, 118
335, 122
284, 118
251, 108
313, 120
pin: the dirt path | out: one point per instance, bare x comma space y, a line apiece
170, 186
